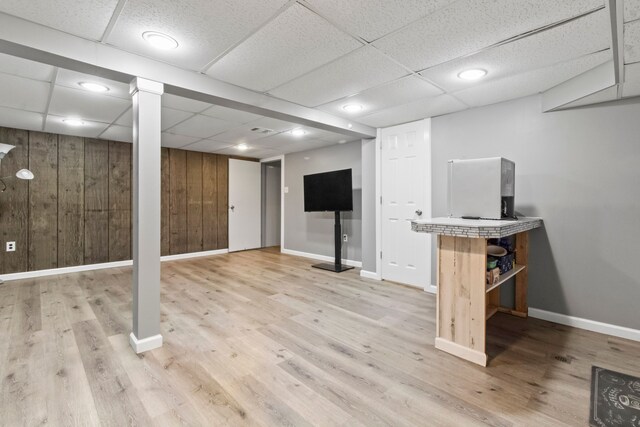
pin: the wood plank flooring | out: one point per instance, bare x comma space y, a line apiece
261, 338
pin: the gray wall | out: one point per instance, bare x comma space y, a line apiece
313, 232
271, 176
580, 171
369, 205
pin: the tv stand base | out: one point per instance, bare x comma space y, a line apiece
337, 268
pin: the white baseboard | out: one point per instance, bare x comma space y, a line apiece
370, 275
88, 267
589, 325
145, 344
432, 289
320, 257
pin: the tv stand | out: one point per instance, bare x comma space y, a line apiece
337, 266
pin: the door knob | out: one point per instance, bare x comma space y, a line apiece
418, 212
232, 207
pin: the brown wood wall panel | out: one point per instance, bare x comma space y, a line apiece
194, 201
165, 234
43, 201
209, 202
70, 201
14, 206
119, 201
96, 201
178, 201
223, 200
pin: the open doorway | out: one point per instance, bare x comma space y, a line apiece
271, 203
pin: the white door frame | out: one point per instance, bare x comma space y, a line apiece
431, 288
275, 159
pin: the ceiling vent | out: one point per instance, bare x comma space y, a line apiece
262, 130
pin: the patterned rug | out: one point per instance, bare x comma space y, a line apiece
615, 399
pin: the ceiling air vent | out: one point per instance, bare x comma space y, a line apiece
262, 130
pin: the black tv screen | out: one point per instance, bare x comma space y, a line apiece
328, 191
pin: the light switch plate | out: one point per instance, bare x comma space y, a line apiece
11, 246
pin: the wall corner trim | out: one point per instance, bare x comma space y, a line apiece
589, 325
145, 344
432, 289
348, 262
370, 275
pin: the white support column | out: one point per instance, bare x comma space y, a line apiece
146, 95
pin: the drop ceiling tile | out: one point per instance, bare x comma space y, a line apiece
71, 79
401, 91
294, 43
23, 94
118, 133
428, 107
632, 42
20, 119
25, 68
184, 104
169, 117
87, 18
631, 10
274, 124
631, 85
204, 29
90, 129
371, 19
207, 146
571, 40
240, 134
231, 115
359, 70
201, 127
282, 139
176, 141
88, 105
531, 82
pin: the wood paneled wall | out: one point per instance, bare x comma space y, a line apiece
77, 210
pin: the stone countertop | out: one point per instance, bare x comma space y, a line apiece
479, 228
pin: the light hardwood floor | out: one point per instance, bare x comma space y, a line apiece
260, 338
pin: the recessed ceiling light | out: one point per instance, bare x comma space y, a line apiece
342, 141
93, 87
72, 121
352, 108
473, 74
159, 40
242, 147
349, 125
298, 132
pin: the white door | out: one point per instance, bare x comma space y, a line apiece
406, 195
244, 205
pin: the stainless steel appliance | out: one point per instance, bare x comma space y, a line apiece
482, 188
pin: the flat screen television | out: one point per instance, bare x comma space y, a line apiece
328, 191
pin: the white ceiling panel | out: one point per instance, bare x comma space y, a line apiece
371, 19
25, 68
118, 133
401, 91
632, 42
239, 135
201, 127
90, 129
348, 75
23, 94
87, 18
169, 117
176, 141
20, 119
571, 40
207, 146
285, 138
87, 105
294, 43
531, 82
428, 107
184, 104
631, 10
229, 114
72, 79
631, 85
274, 124
203, 28
469, 25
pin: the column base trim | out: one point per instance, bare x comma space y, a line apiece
145, 344
461, 351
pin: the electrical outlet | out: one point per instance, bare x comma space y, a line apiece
11, 246
345, 238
